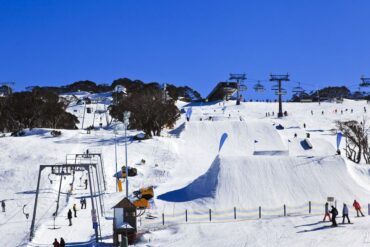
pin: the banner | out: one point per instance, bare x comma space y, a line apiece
222, 140
339, 138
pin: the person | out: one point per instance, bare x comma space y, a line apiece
82, 203
304, 125
357, 206
62, 242
345, 213
56, 243
334, 213
85, 184
311, 112
3, 205
295, 135
75, 210
322, 112
327, 214
69, 216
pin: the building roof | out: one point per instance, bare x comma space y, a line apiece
124, 203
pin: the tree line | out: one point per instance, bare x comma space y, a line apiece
38, 108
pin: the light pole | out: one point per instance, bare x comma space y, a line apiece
115, 154
126, 121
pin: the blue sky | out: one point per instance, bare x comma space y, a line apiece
193, 42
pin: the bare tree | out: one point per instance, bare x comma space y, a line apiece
357, 145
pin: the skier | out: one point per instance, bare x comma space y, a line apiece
69, 216
75, 210
327, 214
62, 242
3, 205
56, 243
334, 213
85, 184
357, 206
345, 213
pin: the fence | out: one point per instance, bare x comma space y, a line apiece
235, 214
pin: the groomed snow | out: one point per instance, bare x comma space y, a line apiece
258, 165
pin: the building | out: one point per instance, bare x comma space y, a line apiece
124, 221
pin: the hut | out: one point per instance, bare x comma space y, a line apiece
124, 221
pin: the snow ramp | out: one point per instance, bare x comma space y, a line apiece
270, 181
244, 137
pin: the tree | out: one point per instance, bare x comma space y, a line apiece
37, 109
149, 111
357, 145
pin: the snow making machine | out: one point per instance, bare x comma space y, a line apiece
143, 196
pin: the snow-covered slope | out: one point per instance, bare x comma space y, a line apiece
258, 165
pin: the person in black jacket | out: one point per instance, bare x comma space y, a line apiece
69, 216
62, 243
334, 213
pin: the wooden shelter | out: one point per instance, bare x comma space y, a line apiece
124, 222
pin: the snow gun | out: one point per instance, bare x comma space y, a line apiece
143, 195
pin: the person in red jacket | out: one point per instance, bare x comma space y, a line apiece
357, 206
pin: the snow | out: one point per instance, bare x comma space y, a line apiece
258, 166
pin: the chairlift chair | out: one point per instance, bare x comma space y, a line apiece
275, 88
259, 87
281, 92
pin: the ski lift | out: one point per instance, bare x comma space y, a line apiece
281, 92
25, 214
243, 87
298, 89
275, 88
259, 87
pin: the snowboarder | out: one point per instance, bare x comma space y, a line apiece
62, 242
85, 184
357, 206
75, 210
3, 205
69, 216
56, 243
334, 213
345, 213
327, 214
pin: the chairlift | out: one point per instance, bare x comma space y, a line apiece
259, 87
242, 87
275, 88
298, 89
364, 84
281, 92
25, 214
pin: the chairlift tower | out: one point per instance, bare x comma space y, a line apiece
280, 91
365, 82
239, 79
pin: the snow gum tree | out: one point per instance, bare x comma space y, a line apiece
357, 144
150, 110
